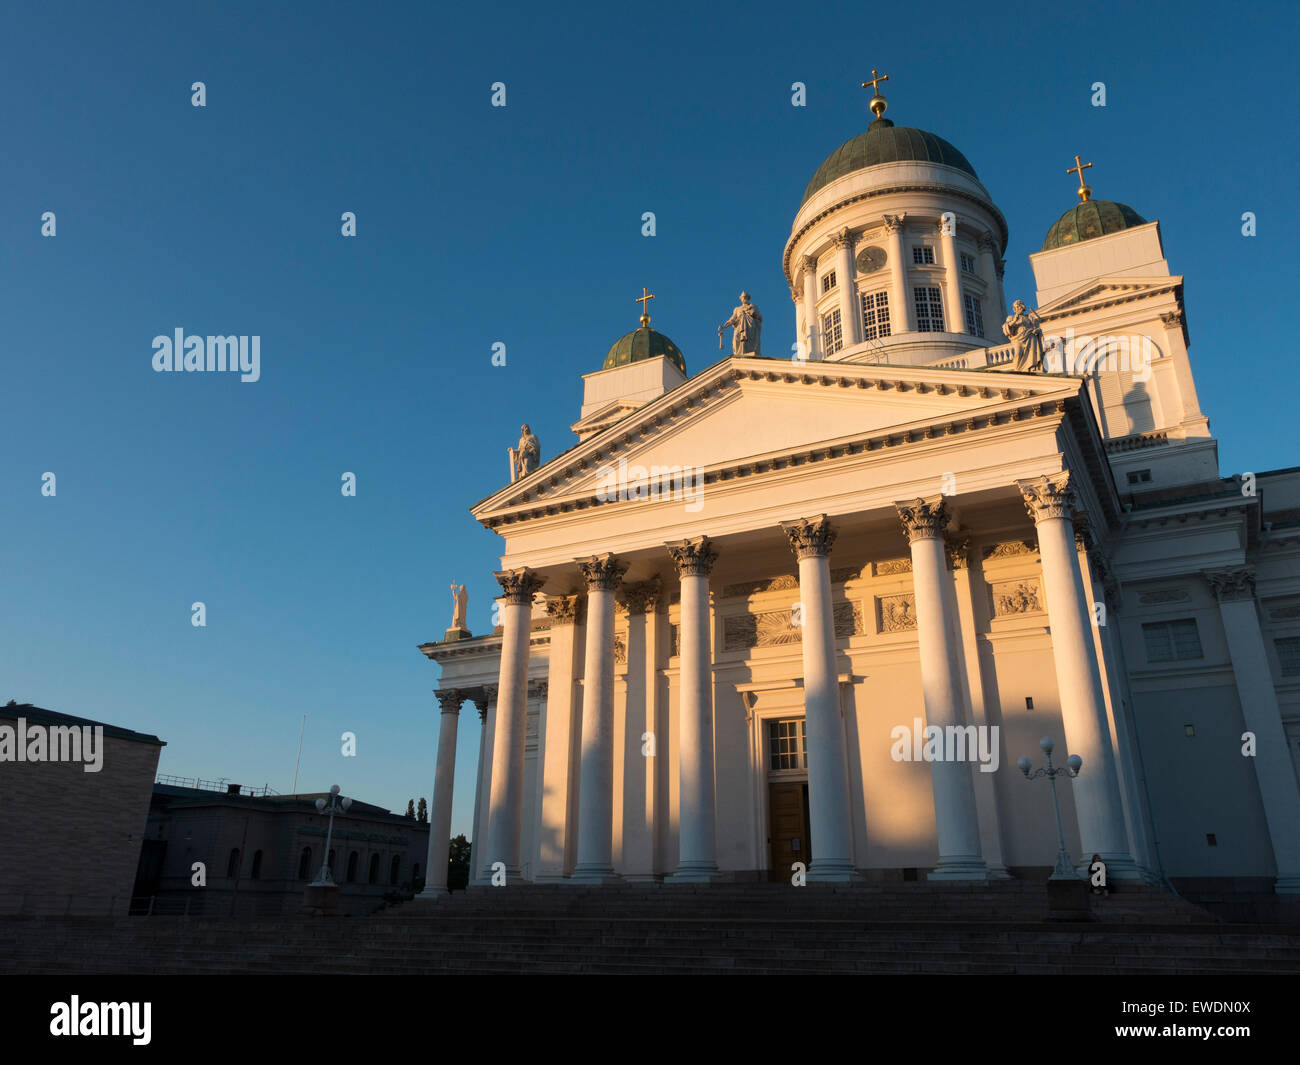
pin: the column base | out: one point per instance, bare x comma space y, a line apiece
1287, 885
831, 871
694, 873
962, 867
434, 893
1000, 872
596, 875
1119, 867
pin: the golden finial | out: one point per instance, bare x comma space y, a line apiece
1078, 168
643, 299
877, 103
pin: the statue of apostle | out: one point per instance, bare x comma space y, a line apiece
1025, 331
528, 454
746, 324
459, 605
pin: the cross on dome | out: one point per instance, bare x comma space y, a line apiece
1079, 167
877, 103
643, 299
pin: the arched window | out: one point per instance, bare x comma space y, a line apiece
396, 869
352, 867
373, 877
256, 874
232, 866
304, 864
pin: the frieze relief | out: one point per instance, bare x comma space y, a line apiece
1163, 595
1016, 597
775, 628
1010, 549
896, 613
892, 566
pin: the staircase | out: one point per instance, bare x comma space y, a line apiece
733, 928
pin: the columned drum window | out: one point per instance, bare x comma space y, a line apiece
974, 315
875, 315
787, 742
828, 282
929, 309
832, 332
1172, 641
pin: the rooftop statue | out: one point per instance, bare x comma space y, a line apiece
1025, 331
746, 324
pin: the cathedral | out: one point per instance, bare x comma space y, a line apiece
813, 610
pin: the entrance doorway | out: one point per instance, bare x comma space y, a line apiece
787, 805
787, 796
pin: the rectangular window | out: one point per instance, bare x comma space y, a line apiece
967, 266
832, 333
875, 315
929, 309
923, 255
787, 744
1139, 476
1172, 641
974, 315
1288, 655
828, 282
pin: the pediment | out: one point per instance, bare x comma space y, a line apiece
761, 412
1107, 291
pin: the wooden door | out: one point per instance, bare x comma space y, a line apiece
787, 811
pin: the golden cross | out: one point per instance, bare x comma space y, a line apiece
1078, 168
876, 77
643, 299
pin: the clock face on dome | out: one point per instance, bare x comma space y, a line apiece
871, 259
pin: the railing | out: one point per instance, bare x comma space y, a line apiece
223, 785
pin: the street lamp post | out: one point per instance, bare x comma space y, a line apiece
322, 894
1066, 890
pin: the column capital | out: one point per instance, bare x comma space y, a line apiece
518, 585
485, 694
1000, 265
894, 222
1048, 497
986, 243
842, 239
809, 263
1233, 583
693, 558
602, 573
450, 699
957, 550
643, 596
537, 689
564, 609
810, 537
922, 520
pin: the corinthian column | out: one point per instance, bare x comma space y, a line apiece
1050, 502
596, 788
435, 877
811, 324
850, 315
484, 698
697, 859
507, 801
956, 313
828, 775
900, 313
1235, 589
956, 817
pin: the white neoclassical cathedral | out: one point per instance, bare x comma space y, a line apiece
816, 609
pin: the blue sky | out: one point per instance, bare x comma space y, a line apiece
477, 225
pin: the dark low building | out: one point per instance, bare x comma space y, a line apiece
260, 850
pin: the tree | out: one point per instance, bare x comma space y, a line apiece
410, 808
458, 863
422, 814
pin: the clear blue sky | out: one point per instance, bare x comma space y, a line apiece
477, 225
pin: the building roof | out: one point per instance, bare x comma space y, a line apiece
1089, 219
641, 344
883, 142
37, 715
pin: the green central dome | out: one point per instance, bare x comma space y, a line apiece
1091, 218
885, 142
641, 344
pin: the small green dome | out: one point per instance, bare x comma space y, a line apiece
1092, 218
641, 344
884, 142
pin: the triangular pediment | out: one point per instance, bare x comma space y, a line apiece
1106, 292
764, 412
